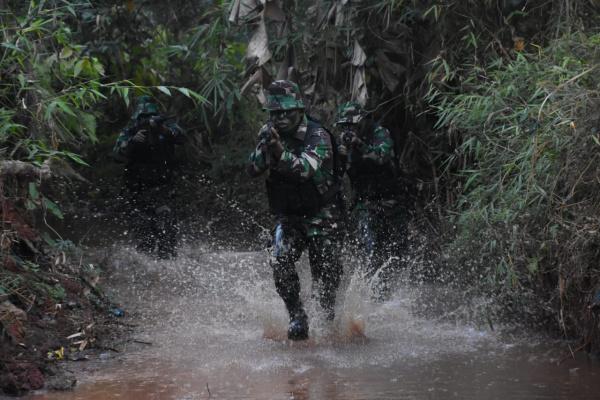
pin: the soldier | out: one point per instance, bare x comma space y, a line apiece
367, 151
147, 146
302, 188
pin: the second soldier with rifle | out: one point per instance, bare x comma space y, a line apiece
147, 146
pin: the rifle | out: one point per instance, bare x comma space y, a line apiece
346, 137
153, 126
265, 137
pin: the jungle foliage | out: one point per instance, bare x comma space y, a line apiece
493, 105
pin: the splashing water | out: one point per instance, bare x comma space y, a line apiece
218, 330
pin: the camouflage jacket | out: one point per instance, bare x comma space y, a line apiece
378, 149
304, 158
158, 148
371, 168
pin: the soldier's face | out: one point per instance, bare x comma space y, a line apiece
286, 120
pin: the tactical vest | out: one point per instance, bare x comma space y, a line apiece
302, 198
371, 181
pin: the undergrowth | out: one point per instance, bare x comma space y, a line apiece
527, 218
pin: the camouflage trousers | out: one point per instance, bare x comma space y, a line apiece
290, 239
381, 232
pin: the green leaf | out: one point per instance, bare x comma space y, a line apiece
12, 47
33, 191
198, 97
98, 67
164, 89
533, 265
185, 91
65, 108
51, 242
30, 205
50, 110
471, 180
88, 122
125, 95
53, 208
76, 158
66, 52
78, 67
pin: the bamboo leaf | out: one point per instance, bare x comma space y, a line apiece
78, 67
185, 91
164, 89
53, 208
33, 192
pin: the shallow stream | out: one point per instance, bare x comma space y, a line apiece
212, 326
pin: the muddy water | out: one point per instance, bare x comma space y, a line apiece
213, 327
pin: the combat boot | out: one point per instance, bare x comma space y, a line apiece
298, 328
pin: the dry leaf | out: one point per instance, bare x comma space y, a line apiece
359, 87
258, 48
519, 43
358, 55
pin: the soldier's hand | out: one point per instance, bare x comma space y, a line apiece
275, 145
357, 142
342, 150
140, 137
350, 139
265, 134
347, 138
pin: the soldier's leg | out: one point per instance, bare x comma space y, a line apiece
141, 223
288, 245
326, 269
167, 232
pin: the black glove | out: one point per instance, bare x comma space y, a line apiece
265, 134
140, 137
347, 137
275, 145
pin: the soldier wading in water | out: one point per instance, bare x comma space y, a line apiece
147, 146
298, 156
367, 152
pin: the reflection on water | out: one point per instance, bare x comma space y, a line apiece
217, 330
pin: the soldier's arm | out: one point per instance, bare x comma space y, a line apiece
122, 148
257, 162
381, 150
175, 132
310, 161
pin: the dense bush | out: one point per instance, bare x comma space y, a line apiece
527, 217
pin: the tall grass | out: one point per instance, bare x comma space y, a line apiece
527, 218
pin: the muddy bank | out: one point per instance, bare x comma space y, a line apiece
52, 309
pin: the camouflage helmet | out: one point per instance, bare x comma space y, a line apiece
350, 113
283, 95
145, 106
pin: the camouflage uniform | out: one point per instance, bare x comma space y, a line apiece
380, 222
148, 179
307, 163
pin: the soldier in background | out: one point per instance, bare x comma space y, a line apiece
147, 146
367, 150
